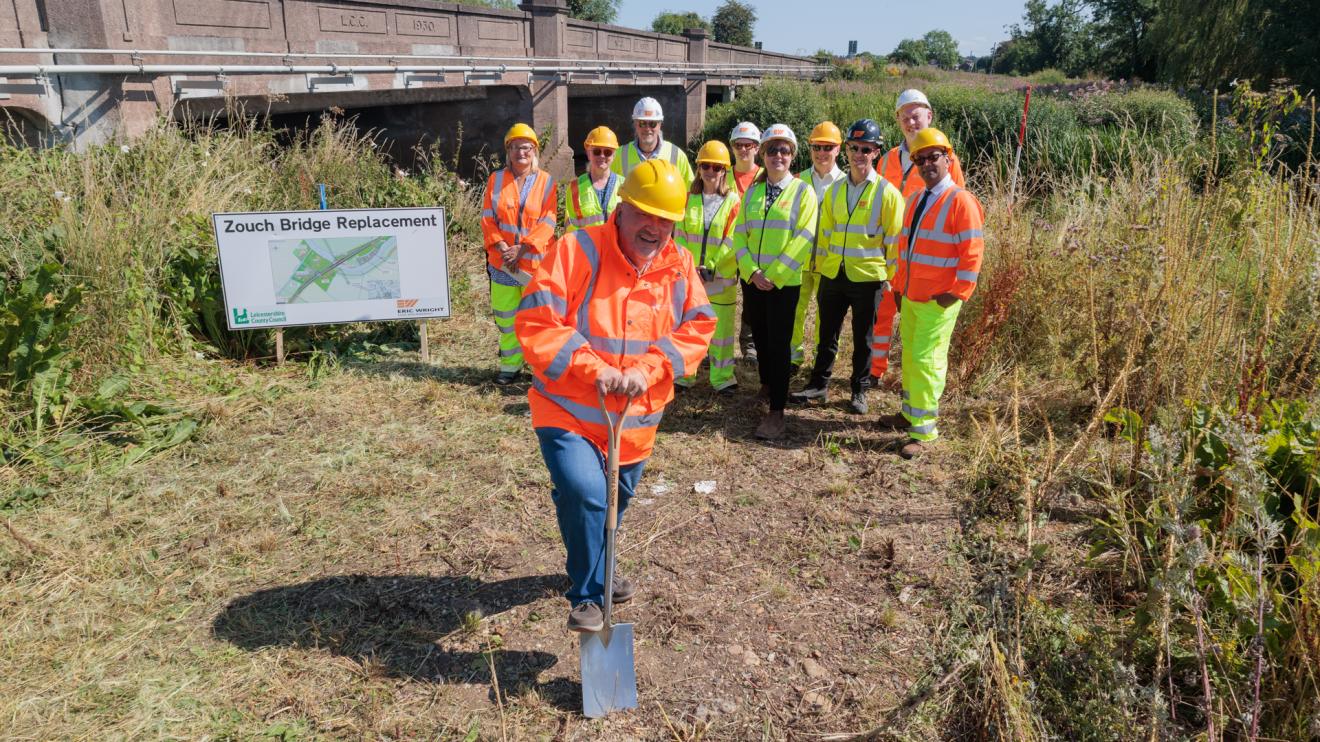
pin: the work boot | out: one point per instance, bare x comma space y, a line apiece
814, 390
728, 390
506, 378
749, 353
586, 618
624, 589
894, 421
912, 449
772, 427
858, 403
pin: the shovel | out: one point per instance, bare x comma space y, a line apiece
609, 677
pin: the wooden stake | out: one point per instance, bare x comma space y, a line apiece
279, 346
425, 343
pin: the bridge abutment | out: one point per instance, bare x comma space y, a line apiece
550, 92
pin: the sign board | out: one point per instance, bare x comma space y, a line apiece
286, 268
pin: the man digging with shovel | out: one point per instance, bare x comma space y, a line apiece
612, 316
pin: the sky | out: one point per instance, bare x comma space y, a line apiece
793, 26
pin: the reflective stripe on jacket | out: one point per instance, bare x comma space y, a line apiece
587, 308
711, 245
890, 168
811, 177
779, 242
583, 206
944, 254
630, 156
863, 238
505, 216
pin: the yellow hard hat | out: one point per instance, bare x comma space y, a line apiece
521, 131
656, 188
601, 136
930, 137
715, 153
826, 133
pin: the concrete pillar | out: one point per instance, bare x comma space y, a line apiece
695, 88
730, 94
550, 94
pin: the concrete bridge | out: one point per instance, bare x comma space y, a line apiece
420, 71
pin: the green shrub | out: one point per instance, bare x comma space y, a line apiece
798, 104
36, 362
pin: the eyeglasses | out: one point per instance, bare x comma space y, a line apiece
524, 148
744, 144
861, 150
926, 159
648, 124
782, 150
710, 166
600, 152
823, 147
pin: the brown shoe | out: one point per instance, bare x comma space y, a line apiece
772, 427
895, 421
912, 449
624, 590
586, 618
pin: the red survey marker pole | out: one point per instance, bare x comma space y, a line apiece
1017, 158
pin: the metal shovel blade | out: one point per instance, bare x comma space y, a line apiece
609, 680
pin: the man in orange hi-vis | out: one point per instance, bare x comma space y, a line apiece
939, 260
517, 226
914, 113
615, 309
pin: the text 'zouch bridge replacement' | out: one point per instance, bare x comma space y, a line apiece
86, 71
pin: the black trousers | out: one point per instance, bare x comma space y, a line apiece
833, 300
770, 314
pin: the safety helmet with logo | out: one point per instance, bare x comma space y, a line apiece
715, 153
930, 137
745, 130
866, 130
911, 95
521, 131
656, 188
648, 109
826, 133
779, 131
602, 136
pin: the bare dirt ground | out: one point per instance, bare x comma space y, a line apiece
373, 554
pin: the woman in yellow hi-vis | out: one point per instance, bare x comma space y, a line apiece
595, 193
939, 259
707, 231
772, 240
825, 141
517, 226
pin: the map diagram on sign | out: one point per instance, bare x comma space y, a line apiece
334, 269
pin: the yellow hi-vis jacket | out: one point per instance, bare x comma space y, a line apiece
778, 240
711, 244
861, 239
583, 208
630, 156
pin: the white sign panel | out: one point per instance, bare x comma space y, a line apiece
285, 268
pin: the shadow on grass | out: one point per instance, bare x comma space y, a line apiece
473, 376
394, 623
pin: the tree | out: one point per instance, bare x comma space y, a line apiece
676, 23
941, 49
1058, 36
597, 11
1124, 27
733, 23
911, 52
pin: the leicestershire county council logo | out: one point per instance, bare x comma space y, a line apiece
240, 318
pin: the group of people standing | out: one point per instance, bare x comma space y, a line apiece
615, 315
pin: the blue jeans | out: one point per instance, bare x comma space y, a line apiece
577, 470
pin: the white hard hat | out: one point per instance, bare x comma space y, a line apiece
911, 95
648, 109
779, 131
745, 130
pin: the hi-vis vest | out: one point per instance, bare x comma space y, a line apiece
943, 253
860, 239
711, 244
583, 206
809, 175
630, 156
518, 216
778, 242
588, 308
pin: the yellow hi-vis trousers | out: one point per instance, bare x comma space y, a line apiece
810, 283
925, 329
504, 302
720, 355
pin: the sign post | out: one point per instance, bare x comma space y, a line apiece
291, 268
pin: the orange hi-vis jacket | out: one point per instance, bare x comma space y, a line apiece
910, 182
518, 216
942, 254
587, 308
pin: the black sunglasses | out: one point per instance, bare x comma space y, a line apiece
782, 149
